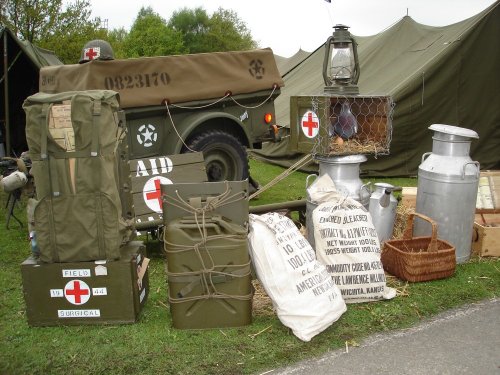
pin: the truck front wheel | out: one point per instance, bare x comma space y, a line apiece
225, 157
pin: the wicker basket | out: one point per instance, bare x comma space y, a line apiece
419, 258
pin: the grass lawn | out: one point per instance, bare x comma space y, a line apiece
152, 346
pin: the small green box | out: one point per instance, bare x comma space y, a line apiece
77, 293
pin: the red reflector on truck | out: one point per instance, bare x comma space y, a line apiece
268, 117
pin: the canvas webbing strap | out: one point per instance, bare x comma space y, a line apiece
96, 112
44, 156
69, 154
44, 131
54, 177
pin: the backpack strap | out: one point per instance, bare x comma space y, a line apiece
96, 113
44, 155
44, 131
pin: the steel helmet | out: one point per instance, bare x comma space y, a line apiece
97, 49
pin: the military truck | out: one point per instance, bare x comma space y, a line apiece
217, 103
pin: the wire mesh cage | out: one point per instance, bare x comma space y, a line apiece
341, 125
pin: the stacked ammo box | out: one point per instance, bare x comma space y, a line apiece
86, 267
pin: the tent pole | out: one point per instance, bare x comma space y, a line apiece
6, 95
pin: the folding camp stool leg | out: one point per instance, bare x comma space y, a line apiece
11, 204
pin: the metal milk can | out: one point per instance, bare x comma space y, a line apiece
382, 209
344, 171
310, 206
448, 181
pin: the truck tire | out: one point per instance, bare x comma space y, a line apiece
225, 157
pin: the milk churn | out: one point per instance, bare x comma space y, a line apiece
383, 209
310, 206
447, 188
344, 171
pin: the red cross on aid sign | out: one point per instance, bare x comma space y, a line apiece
310, 124
152, 193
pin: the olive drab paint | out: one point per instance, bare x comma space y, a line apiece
74, 141
149, 174
220, 113
80, 293
208, 270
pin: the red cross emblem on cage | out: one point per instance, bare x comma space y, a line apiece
77, 292
310, 124
152, 193
92, 53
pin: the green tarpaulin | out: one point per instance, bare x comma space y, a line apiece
447, 75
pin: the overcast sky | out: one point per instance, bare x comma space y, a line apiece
286, 26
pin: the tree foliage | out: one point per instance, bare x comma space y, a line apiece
194, 25
151, 36
48, 24
222, 31
228, 32
65, 27
116, 38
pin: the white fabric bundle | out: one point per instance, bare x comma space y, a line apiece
301, 290
347, 244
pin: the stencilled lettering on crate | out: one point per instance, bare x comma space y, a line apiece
77, 273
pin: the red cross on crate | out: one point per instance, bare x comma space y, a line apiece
310, 124
77, 292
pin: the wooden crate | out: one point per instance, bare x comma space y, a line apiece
486, 235
312, 119
488, 194
148, 174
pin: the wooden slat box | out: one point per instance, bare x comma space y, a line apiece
148, 174
486, 235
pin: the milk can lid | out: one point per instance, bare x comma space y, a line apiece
454, 130
349, 159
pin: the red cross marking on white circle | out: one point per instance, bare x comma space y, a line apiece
156, 194
77, 292
310, 124
152, 193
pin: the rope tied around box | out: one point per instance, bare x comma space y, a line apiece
210, 274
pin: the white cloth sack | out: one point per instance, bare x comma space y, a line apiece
347, 244
302, 292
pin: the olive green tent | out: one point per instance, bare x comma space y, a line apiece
447, 75
19, 70
286, 64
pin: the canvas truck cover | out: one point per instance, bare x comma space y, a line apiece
180, 78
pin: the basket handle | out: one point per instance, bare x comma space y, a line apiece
408, 234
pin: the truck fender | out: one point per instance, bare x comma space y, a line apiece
190, 123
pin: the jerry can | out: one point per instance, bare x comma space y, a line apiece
208, 270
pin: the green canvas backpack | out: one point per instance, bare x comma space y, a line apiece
73, 139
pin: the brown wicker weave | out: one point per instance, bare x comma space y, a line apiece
419, 258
